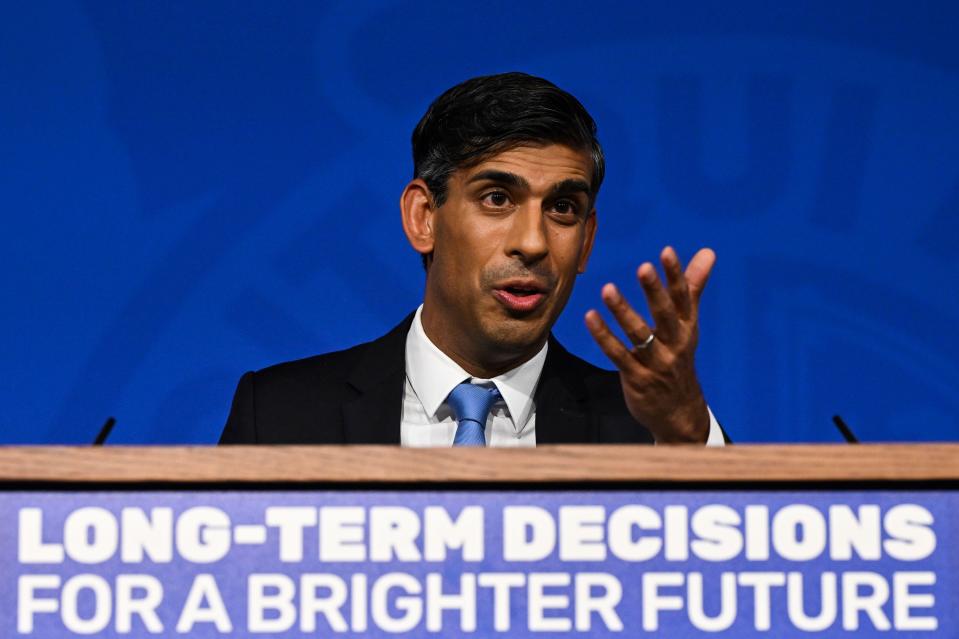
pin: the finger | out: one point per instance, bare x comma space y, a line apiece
660, 305
608, 343
697, 273
678, 289
632, 323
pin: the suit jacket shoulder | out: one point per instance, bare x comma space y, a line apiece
355, 396
324, 399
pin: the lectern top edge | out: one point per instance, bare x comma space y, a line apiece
665, 465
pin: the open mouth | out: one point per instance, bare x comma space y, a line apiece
519, 297
519, 291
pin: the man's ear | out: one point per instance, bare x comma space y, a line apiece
416, 207
590, 231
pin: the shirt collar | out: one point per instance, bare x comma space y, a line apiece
433, 375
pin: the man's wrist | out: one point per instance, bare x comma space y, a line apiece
695, 429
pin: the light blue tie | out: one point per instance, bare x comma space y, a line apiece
471, 405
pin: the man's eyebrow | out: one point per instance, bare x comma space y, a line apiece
571, 185
503, 177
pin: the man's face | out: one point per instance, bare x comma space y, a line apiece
508, 243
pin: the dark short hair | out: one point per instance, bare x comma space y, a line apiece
490, 114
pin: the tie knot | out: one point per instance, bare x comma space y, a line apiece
472, 402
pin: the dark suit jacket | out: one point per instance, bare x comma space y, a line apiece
355, 396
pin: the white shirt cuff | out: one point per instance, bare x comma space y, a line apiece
715, 438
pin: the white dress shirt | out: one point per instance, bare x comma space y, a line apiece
428, 421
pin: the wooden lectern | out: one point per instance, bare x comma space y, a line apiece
744, 541
893, 465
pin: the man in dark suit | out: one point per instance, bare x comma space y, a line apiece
502, 208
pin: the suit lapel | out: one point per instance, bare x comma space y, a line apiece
379, 378
373, 416
562, 411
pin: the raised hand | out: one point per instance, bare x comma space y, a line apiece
657, 369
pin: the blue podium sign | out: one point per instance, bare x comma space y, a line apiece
603, 563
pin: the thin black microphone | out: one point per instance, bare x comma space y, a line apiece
846, 432
104, 431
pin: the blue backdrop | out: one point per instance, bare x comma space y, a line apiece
194, 189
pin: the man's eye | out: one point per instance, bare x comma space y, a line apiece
496, 199
565, 207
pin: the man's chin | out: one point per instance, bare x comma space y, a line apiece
517, 336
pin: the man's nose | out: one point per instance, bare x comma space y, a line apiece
527, 236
